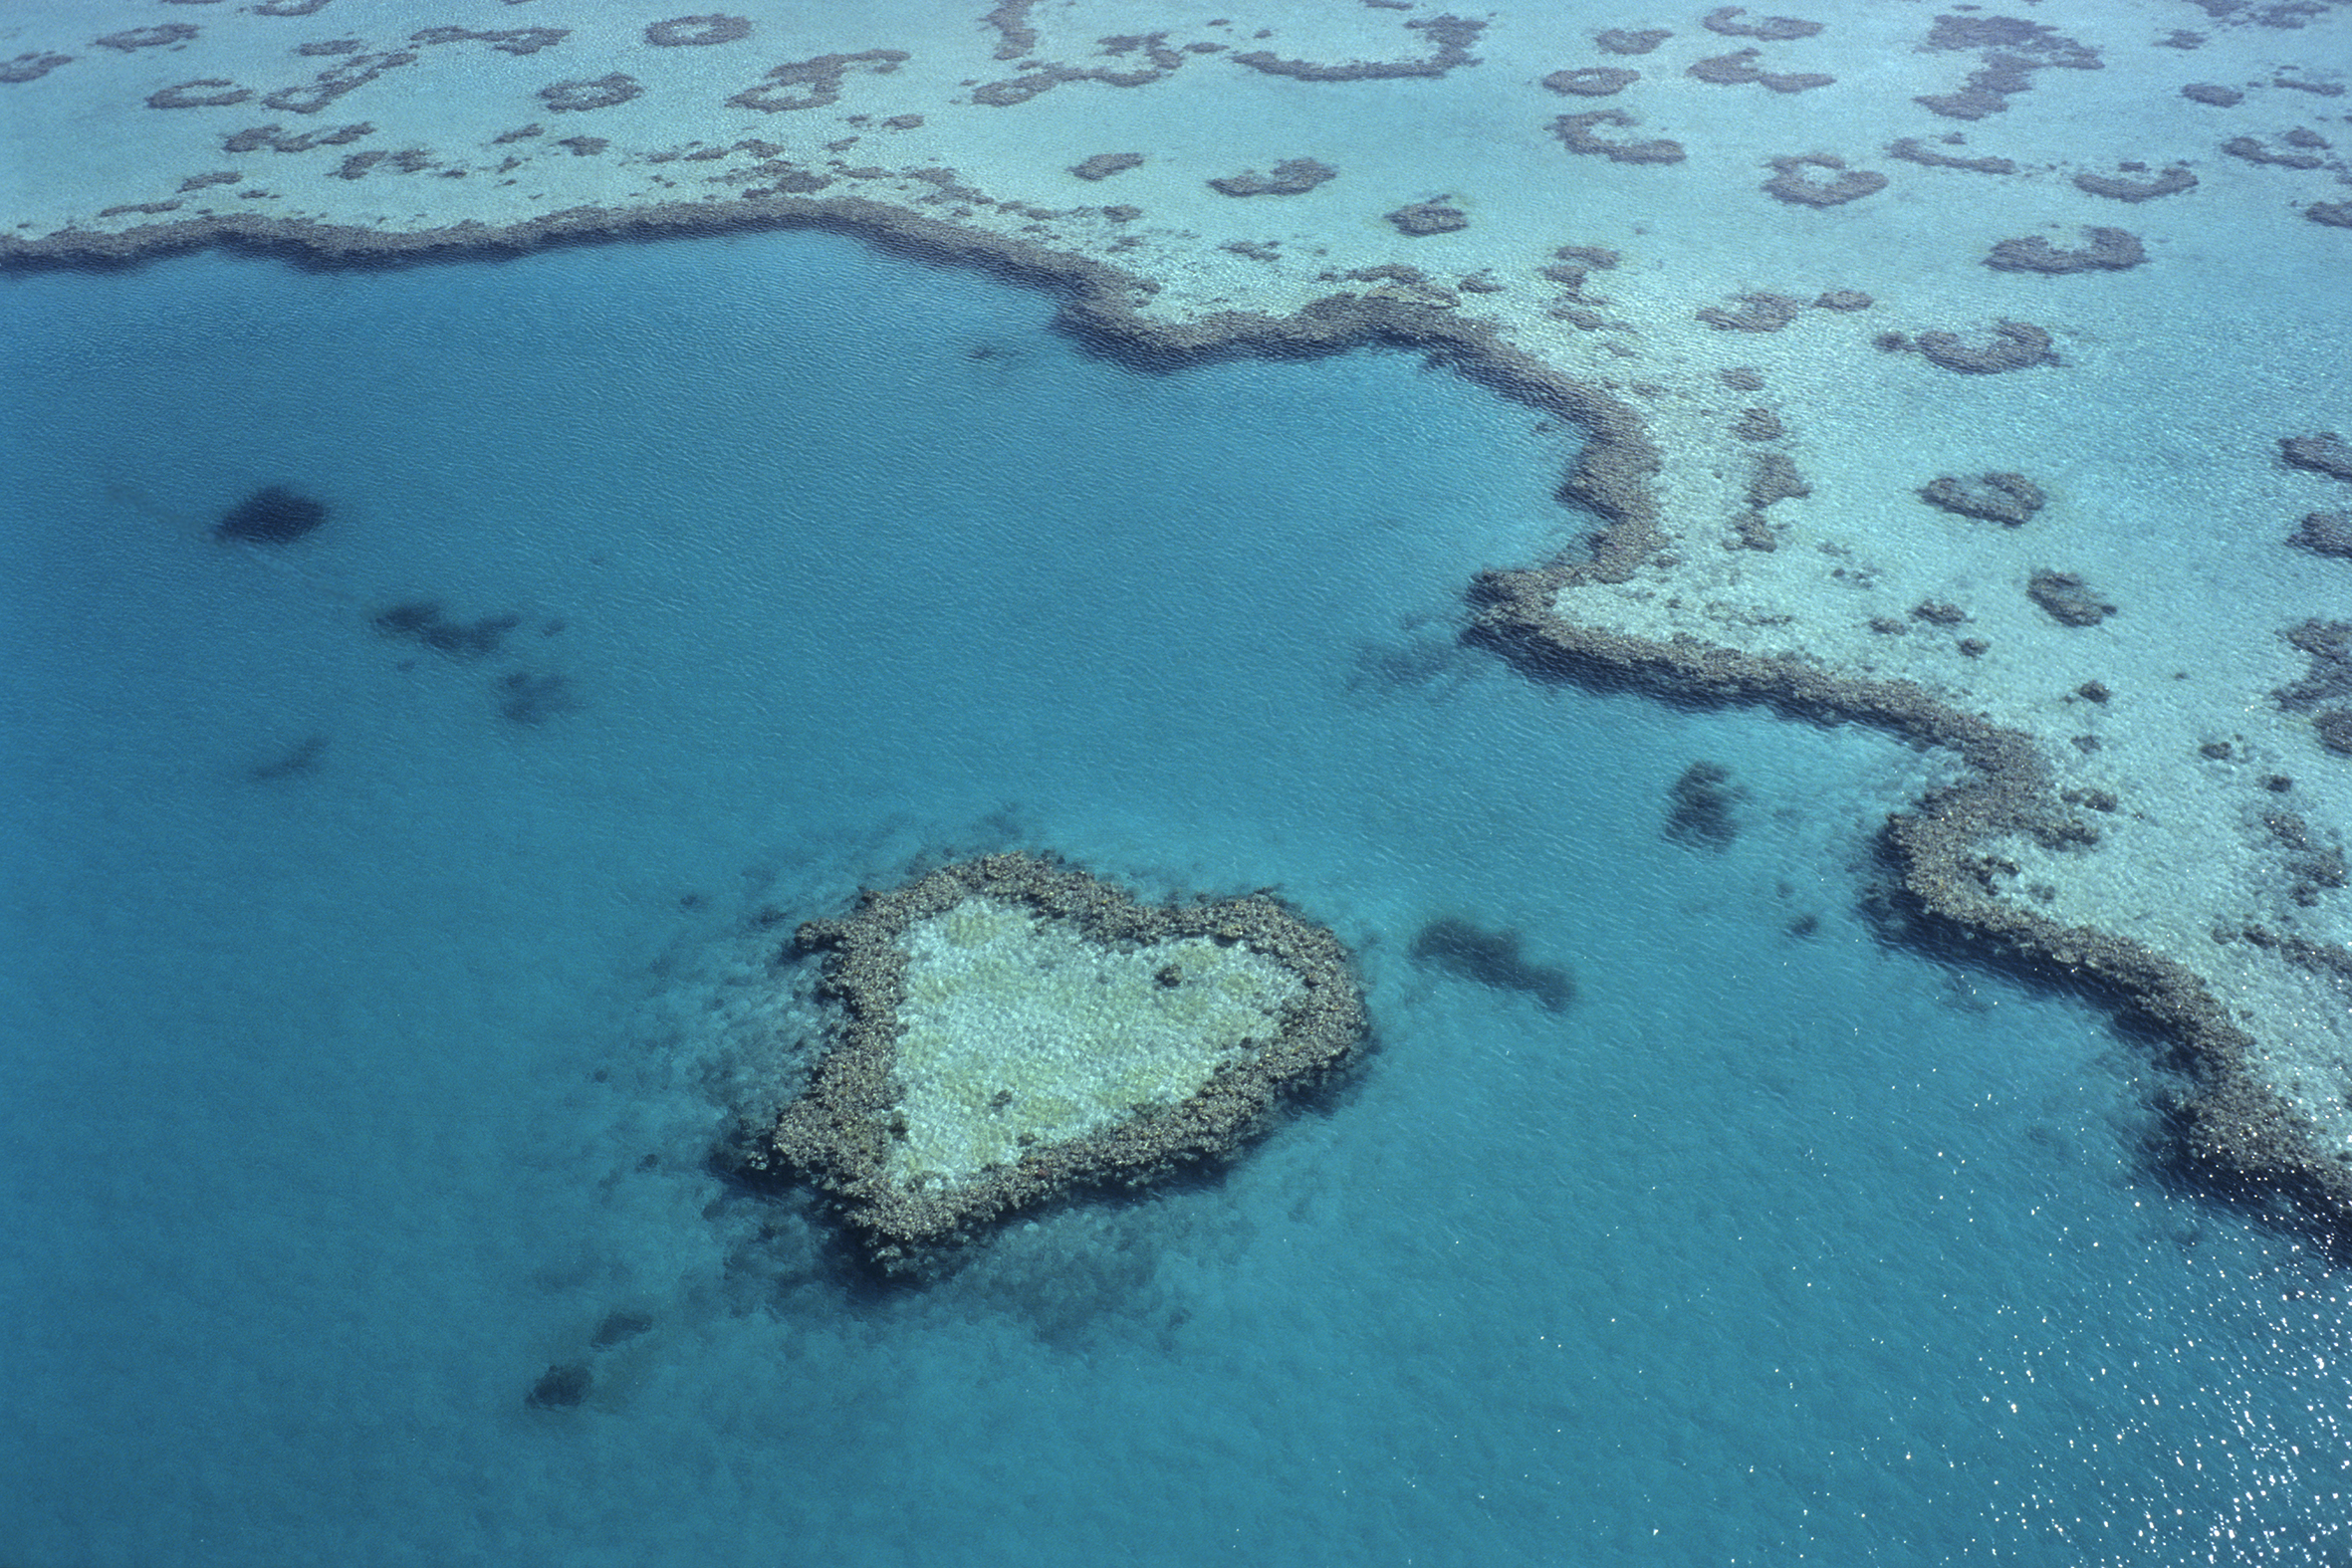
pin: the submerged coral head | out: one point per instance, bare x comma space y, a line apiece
273, 516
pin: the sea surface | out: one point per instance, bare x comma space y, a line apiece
376, 990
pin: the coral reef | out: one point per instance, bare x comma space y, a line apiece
1492, 958
1790, 184
424, 621
1575, 131
1429, 217
2111, 250
1592, 80
1629, 41
1290, 177
1698, 807
712, 27
1739, 68
2325, 534
820, 76
1102, 165
2304, 148
1909, 151
2171, 182
33, 67
2326, 685
217, 92
2326, 453
275, 516
1453, 36
2013, 345
604, 92
1757, 313
2068, 599
507, 41
1730, 20
2009, 499
146, 37
1012, 1028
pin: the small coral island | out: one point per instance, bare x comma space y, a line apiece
1010, 1028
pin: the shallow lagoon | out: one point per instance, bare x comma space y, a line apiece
342, 1103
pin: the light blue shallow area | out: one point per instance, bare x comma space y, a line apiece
337, 1106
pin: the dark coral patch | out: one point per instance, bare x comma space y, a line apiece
711, 28
1492, 958
275, 516
1790, 184
2110, 250
2009, 499
1698, 807
2326, 453
1575, 131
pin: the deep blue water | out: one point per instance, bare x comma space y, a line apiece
338, 1102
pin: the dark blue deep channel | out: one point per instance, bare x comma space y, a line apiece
374, 992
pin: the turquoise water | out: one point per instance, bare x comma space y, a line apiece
364, 1038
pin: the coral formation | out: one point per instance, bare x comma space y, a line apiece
1429, 217
425, 622
2325, 534
604, 92
1575, 131
1290, 177
1453, 36
1012, 1028
820, 76
1757, 313
277, 139
2012, 50
712, 27
1698, 807
507, 41
2326, 453
1740, 68
146, 37
275, 516
2171, 182
1790, 184
2068, 599
2326, 685
1492, 958
1630, 40
2304, 148
2013, 345
1592, 80
560, 1387
2112, 250
1909, 151
33, 67
1102, 165
2009, 499
1730, 20
1771, 477
217, 92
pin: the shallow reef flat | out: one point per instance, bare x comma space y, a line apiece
1010, 1028
1974, 378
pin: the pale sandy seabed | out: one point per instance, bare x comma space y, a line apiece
2133, 801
